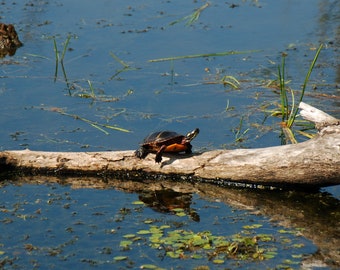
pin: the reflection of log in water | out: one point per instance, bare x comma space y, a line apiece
317, 214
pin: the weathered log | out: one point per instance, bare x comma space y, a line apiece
314, 163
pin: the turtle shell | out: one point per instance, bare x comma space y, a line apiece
163, 137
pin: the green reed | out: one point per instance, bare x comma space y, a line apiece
289, 110
60, 59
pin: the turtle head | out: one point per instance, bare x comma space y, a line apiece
191, 135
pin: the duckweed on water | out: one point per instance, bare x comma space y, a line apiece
186, 244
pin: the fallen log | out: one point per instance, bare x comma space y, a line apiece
314, 163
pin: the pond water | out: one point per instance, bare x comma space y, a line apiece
54, 226
109, 94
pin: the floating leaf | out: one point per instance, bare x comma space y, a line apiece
254, 226
172, 254
148, 266
130, 235
285, 231
144, 232
199, 241
207, 246
148, 221
218, 261
137, 202
287, 261
265, 237
299, 245
120, 258
197, 256
154, 230
155, 239
269, 255
125, 243
178, 209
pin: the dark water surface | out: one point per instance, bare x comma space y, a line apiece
111, 81
52, 226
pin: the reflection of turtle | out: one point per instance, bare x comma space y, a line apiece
166, 142
9, 40
168, 200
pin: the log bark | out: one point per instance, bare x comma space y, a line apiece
314, 163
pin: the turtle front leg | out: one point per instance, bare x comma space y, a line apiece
141, 153
159, 154
188, 150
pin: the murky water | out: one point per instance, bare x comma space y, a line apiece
111, 81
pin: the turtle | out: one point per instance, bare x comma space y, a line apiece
166, 142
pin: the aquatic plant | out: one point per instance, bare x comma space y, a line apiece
126, 67
192, 18
202, 55
186, 244
60, 59
99, 126
239, 132
289, 110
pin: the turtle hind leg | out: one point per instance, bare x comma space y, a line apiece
141, 153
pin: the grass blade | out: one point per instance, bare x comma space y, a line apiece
202, 55
56, 59
295, 111
119, 60
310, 71
65, 47
192, 18
283, 90
97, 127
90, 122
61, 61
